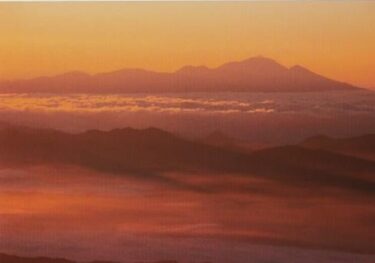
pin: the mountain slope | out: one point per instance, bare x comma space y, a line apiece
362, 146
151, 152
257, 74
219, 139
4, 258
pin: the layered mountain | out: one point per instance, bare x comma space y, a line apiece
150, 153
220, 139
257, 74
361, 146
5, 258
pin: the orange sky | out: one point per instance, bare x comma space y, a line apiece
335, 38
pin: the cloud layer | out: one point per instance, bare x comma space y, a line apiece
251, 116
77, 213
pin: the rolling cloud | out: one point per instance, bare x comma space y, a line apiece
252, 116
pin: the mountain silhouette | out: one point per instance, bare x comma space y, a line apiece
5, 258
257, 74
118, 151
361, 146
219, 139
149, 153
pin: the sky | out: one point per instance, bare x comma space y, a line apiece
333, 38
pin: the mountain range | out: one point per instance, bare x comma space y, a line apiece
5, 258
150, 153
362, 146
256, 74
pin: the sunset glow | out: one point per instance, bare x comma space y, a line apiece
187, 131
334, 38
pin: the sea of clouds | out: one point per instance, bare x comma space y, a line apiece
250, 116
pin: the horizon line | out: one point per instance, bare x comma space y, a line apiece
158, 71
181, 67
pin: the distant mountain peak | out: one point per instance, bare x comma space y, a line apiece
298, 69
75, 74
260, 59
125, 71
258, 63
254, 74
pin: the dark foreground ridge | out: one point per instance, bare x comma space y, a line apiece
148, 153
5, 258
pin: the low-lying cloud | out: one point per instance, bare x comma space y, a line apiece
251, 116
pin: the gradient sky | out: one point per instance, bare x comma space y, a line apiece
335, 38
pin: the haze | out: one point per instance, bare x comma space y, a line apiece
334, 38
216, 132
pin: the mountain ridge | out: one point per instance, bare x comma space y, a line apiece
151, 152
7, 258
255, 74
360, 146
